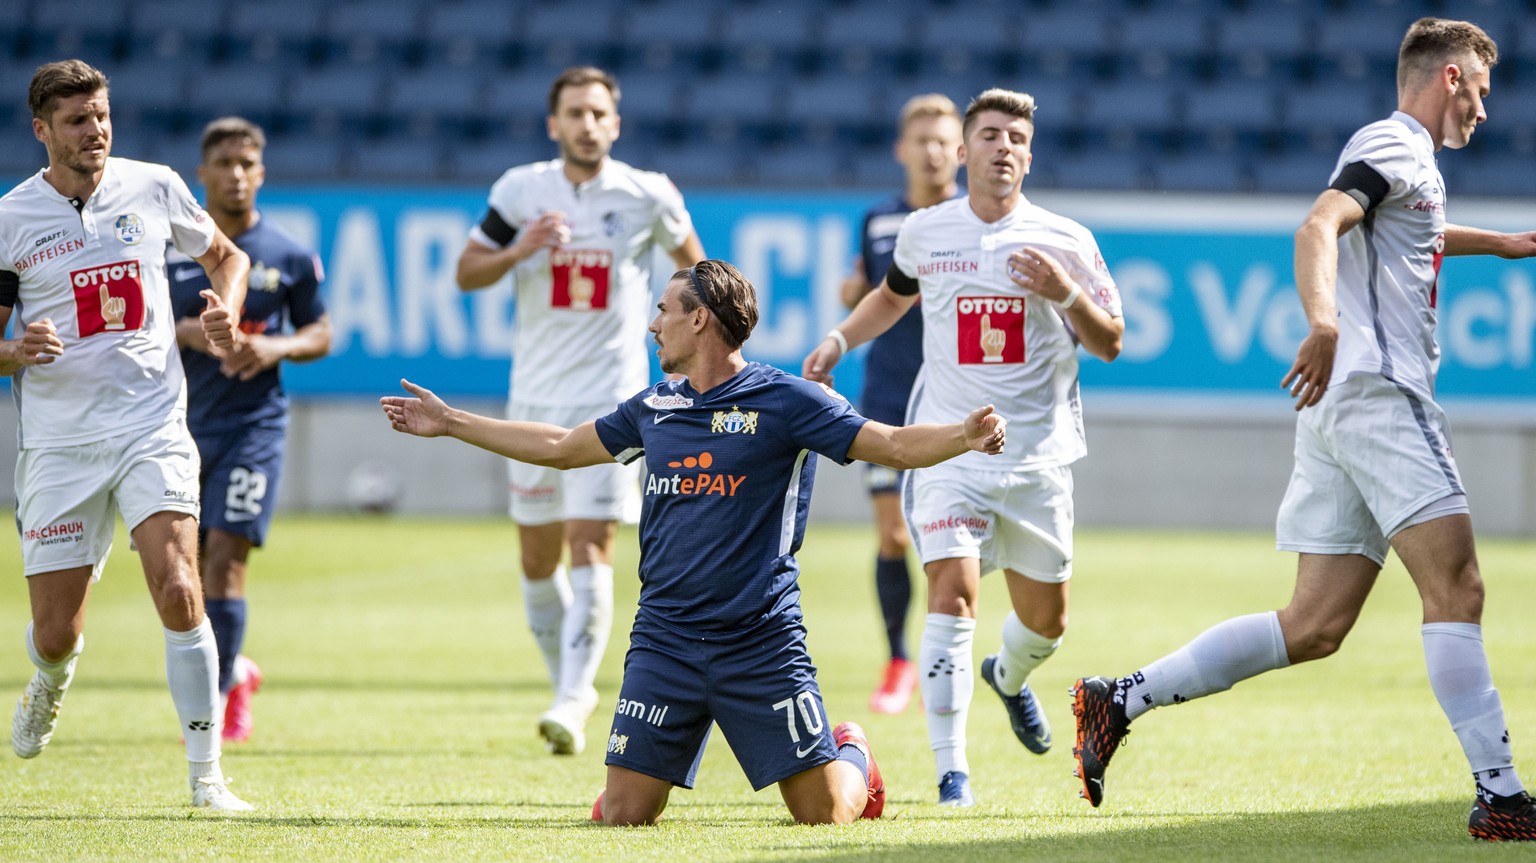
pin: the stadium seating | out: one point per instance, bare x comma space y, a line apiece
1170, 94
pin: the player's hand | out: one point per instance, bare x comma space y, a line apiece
547, 231
1308, 378
252, 355
986, 430
219, 322
1522, 245
426, 415
855, 286
40, 344
818, 366
1040, 274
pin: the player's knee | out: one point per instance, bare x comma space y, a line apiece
618, 812
177, 598
1315, 643
1458, 599
894, 543
54, 641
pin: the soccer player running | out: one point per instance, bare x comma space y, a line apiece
578, 234
102, 401
1009, 291
718, 634
928, 150
237, 410
1373, 455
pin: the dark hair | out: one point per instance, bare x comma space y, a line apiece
1021, 105
580, 76
224, 128
1433, 42
721, 288
54, 81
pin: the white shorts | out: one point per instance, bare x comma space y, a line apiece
66, 496
544, 495
1369, 458
1016, 521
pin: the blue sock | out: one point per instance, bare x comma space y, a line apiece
893, 584
855, 756
227, 617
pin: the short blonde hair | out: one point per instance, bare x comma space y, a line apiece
1010, 102
927, 105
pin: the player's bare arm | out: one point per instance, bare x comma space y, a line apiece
689, 253
1332, 215
925, 445
1042, 275
1461, 240
426, 415
481, 266
877, 312
855, 286
38, 345
229, 271
258, 352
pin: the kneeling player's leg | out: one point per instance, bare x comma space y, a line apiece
832, 793
631, 799
660, 724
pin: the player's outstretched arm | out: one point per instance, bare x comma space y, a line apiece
914, 446
229, 271
1461, 240
877, 312
426, 415
1317, 263
38, 345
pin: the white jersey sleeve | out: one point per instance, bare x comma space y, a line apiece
191, 228
672, 224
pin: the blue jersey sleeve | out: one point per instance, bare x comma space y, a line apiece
620, 430
820, 419
304, 303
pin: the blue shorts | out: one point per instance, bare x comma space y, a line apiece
239, 480
879, 479
760, 690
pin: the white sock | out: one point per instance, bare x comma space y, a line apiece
944, 672
1458, 673
1023, 651
545, 600
1228, 652
203, 770
192, 670
58, 674
585, 633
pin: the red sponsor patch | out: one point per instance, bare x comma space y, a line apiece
991, 329
580, 278
108, 298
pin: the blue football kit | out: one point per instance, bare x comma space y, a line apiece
718, 633
896, 355
239, 425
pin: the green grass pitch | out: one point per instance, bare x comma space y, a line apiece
398, 720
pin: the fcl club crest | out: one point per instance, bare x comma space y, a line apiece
130, 229
734, 421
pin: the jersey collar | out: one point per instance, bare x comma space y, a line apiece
1415, 127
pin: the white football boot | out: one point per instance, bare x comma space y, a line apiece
37, 713
563, 726
210, 792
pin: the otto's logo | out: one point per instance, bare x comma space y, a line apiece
990, 330
724, 485
667, 403
108, 298
129, 228
580, 278
54, 534
264, 278
734, 421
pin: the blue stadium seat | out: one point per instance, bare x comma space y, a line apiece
341, 89
254, 91
1301, 173
1074, 29
1199, 172
368, 28
523, 96
13, 19
960, 87
1139, 105
1178, 31
283, 30
838, 101
671, 33
479, 164
182, 151
1343, 109
147, 90
572, 33
303, 157
1233, 104
866, 36
437, 92
749, 99
799, 168
174, 28
875, 168
402, 160
1272, 31
698, 164
649, 97
1375, 32
971, 29
1495, 174
469, 31
1099, 170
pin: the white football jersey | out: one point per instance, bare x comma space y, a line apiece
1389, 264
582, 308
99, 273
988, 341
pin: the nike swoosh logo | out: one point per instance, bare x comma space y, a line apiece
801, 753
181, 274
656, 420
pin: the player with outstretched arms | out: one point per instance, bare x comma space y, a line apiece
238, 412
927, 147
102, 401
1009, 291
1373, 468
718, 634
578, 235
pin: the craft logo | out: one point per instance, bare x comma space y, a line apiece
108, 298
701, 483
130, 229
734, 421
990, 330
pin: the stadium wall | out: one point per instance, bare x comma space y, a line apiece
1187, 429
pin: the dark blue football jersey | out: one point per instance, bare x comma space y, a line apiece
284, 289
896, 355
727, 494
